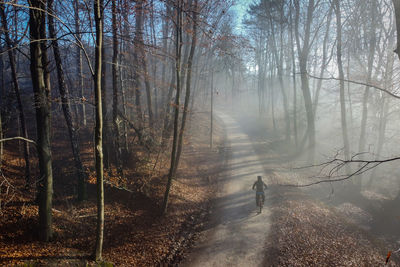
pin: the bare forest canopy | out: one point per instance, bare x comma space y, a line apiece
323, 74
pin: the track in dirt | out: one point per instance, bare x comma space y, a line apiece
236, 233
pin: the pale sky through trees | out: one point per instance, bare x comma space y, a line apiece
239, 8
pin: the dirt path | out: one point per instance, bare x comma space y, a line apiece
236, 233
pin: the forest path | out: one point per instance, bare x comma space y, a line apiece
236, 233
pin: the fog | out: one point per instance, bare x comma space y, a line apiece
137, 95
266, 82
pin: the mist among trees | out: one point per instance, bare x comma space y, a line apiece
105, 102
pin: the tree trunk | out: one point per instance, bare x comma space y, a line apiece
106, 124
196, 90
98, 18
167, 116
272, 101
324, 61
117, 141
233, 83
185, 44
142, 57
396, 4
123, 72
21, 113
79, 72
1, 145
341, 78
66, 106
260, 58
279, 65
154, 61
212, 108
2, 84
178, 52
148, 89
280, 75
303, 53
188, 84
384, 109
124, 111
138, 42
364, 118
165, 49
293, 80
37, 30
348, 90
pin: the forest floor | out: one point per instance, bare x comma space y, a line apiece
135, 235
306, 231
303, 230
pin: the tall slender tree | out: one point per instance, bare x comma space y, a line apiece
336, 5
293, 75
98, 19
2, 85
325, 62
178, 55
371, 37
138, 42
117, 141
303, 54
17, 90
37, 31
79, 68
279, 61
396, 4
194, 8
66, 106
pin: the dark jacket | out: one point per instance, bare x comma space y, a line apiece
259, 185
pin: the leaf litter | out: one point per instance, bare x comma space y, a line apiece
135, 235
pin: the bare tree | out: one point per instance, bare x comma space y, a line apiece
2, 84
117, 140
138, 42
371, 37
325, 60
37, 30
17, 90
396, 4
178, 54
65, 102
98, 18
303, 53
336, 5
188, 83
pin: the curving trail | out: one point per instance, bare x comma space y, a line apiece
236, 234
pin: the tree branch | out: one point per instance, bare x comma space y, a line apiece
365, 166
357, 82
18, 138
